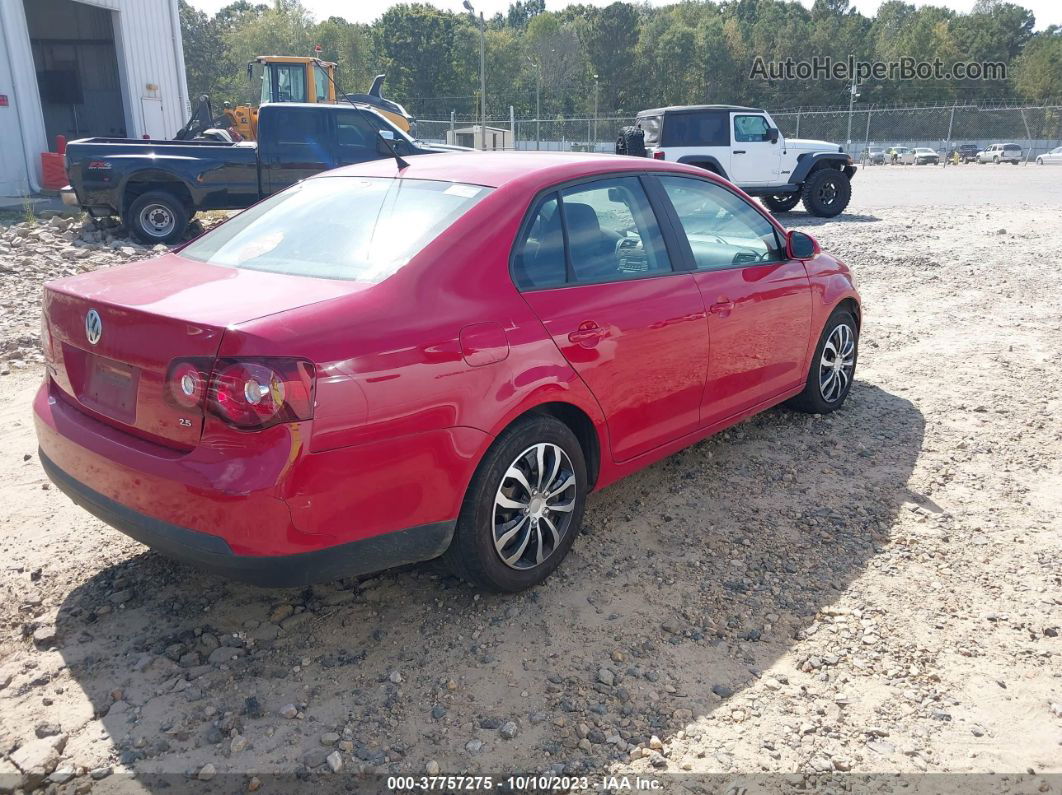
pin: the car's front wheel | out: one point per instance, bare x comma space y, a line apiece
781, 203
1039, 161
826, 193
833, 366
523, 508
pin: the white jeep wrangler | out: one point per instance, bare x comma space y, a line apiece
745, 146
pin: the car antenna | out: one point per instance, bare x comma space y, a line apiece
387, 142
398, 158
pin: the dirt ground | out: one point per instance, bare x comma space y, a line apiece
877, 591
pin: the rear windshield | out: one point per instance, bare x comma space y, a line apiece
357, 228
1012, 147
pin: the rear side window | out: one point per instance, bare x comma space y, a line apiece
724, 231
602, 231
298, 127
356, 228
700, 128
651, 126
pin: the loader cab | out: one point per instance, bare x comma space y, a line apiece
294, 79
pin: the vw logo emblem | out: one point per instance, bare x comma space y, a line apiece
93, 326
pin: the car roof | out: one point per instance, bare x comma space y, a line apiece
496, 169
674, 108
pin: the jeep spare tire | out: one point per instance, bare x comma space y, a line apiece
631, 142
826, 193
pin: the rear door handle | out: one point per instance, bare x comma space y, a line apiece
588, 334
722, 308
739, 151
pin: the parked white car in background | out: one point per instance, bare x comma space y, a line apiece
1000, 153
919, 156
1052, 158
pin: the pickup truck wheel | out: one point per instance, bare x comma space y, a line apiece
157, 217
782, 203
826, 193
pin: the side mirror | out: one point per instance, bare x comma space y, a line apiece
387, 134
386, 142
799, 245
772, 134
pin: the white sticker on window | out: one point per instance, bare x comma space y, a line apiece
464, 191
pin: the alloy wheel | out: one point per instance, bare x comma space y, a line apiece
837, 363
828, 192
533, 506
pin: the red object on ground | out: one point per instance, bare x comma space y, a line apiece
306, 391
53, 166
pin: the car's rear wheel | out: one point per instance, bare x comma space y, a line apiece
157, 217
826, 193
782, 203
832, 368
523, 508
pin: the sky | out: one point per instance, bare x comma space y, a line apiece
1048, 12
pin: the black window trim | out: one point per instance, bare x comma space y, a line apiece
672, 246
683, 239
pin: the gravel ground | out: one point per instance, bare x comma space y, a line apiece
876, 591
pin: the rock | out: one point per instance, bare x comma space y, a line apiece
254, 784
224, 654
100, 773
474, 746
289, 711
723, 691
655, 743
37, 759
432, 768
44, 635
206, 772
508, 730
280, 612
606, 677
315, 758
395, 677
329, 738
47, 730
335, 761
61, 775
438, 712
237, 744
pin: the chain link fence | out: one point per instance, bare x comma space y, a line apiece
1036, 128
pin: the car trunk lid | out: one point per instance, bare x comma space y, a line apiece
113, 335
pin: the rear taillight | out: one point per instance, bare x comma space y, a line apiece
658, 155
46, 339
250, 394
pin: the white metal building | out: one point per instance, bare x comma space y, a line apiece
83, 68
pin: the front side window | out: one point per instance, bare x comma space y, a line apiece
354, 137
697, 128
750, 129
291, 82
353, 228
724, 231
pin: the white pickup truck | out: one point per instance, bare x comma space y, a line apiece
745, 146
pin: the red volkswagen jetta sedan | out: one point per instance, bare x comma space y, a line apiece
382, 365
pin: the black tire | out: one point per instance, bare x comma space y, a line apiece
781, 203
1039, 161
812, 400
472, 554
826, 193
157, 217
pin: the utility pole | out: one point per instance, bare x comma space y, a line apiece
595, 112
851, 105
538, 102
482, 73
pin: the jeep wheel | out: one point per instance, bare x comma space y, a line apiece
782, 202
826, 193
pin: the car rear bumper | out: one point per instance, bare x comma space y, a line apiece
212, 553
273, 514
